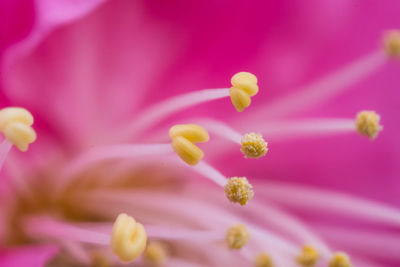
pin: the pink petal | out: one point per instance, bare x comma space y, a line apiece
35, 256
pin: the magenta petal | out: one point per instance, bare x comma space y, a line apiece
32, 256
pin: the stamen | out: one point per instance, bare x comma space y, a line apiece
263, 260
327, 201
308, 257
244, 85
391, 43
340, 259
128, 239
183, 136
253, 145
155, 253
319, 90
161, 110
98, 154
237, 236
5, 147
15, 123
367, 123
305, 128
239, 190
46, 227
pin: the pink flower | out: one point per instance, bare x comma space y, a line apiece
105, 80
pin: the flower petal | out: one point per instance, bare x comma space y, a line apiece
34, 256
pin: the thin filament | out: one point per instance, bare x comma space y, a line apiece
305, 128
327, 201
46, 227
5, 147
159, 111
320, 90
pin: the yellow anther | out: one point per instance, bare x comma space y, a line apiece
340, 259
183, 138
237, 236
239, 190
244, 85
128, 239
391, 43
15, 123
155, 253
253, 145
367, 123
308, 256
263, 260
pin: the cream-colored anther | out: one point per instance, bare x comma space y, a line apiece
15, 123
155, 253
263, 260
391, 42
239, 190
340, 259
308, 256
237, 236
367, 123
253, 145
244, 85
183, 138
128, 239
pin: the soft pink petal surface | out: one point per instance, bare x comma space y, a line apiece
33, 256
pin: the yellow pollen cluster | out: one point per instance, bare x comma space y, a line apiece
128, 239
391, 43
367, 123
263, 260
237, 236
15, 123
239, 190
244, 85
253, 145
155, 253
183, 138
308, 257
340, 259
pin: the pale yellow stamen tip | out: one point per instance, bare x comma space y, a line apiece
237, 236
128, 239
308, 257
155, 253
239, 190
253, 145
340, 259
183, 138
367, 123
244, 85
15, 123
391, 43
263, 260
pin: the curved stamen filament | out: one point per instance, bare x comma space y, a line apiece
320, 90
210, 173
217, 218
306, 127
99, 154
159, 111
323, 200
5, 147
221, 129
47, 227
